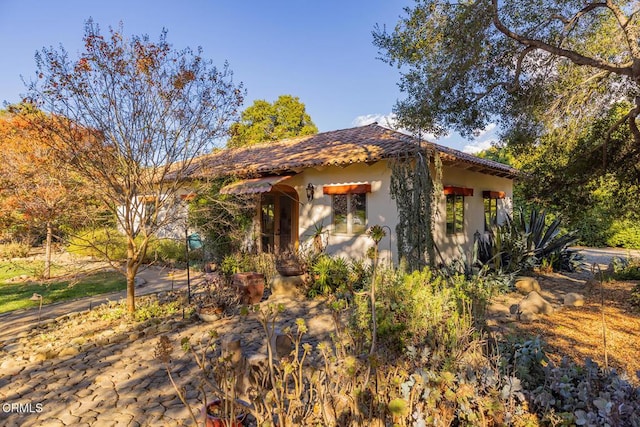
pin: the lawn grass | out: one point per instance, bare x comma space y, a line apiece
15, 295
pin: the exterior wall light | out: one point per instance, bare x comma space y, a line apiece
310, 191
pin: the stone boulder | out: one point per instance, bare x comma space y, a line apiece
574, 299
532, 306
287, 286
525, 285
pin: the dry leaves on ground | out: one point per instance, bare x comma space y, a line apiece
577, 332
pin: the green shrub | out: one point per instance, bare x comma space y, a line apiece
109, 243
335, 274
99, 243
624, 234
14, 250
626, 268
418, 309
166, 250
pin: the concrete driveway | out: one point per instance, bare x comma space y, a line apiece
603, 256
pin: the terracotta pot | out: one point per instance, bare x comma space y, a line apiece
215, 419
250, 286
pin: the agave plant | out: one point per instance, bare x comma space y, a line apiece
528, 241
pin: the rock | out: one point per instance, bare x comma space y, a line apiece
528, 317
534, 304
69, 351
232, 349
40, 356
574, 299
524, 285
281, 345
140, 281
287, 286
78, 341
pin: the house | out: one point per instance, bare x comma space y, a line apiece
340, 182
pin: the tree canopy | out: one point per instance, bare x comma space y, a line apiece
143, 111
537, 67
39, 192
263, 121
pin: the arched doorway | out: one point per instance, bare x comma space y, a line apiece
279, 219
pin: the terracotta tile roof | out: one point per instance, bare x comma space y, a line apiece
341, 147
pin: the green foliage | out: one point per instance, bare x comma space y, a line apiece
626, 268
242, 262
266, 122
223, 220
101, 243
596, 173
624, 234
419, 309
336, 275
503, 64
528, 241
238, 262
109, 243
148, 308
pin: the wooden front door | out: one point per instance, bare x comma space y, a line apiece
279, 221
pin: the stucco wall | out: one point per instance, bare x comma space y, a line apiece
381, 209
473, 208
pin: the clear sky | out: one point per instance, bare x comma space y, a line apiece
320, 51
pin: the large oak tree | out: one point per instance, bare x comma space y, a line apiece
144, 111
540, 68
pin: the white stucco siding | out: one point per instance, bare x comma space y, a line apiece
448, 244
380, 209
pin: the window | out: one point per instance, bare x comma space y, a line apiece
455, 207
490, 213
455, 213
490, 199
349, 213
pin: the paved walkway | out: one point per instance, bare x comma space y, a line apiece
155, 279
114, 379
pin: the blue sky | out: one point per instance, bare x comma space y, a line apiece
320, 51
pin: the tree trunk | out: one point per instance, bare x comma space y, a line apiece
46, 273
132, 270
131, 286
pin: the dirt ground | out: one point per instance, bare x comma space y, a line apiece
580, 332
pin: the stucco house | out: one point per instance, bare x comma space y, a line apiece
339, 182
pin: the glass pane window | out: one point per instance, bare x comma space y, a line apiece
349, 213
490, 212
340, 213
455, 213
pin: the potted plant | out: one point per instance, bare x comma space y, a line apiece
288, 264
215, 416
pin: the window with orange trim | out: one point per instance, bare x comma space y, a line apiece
455, 213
